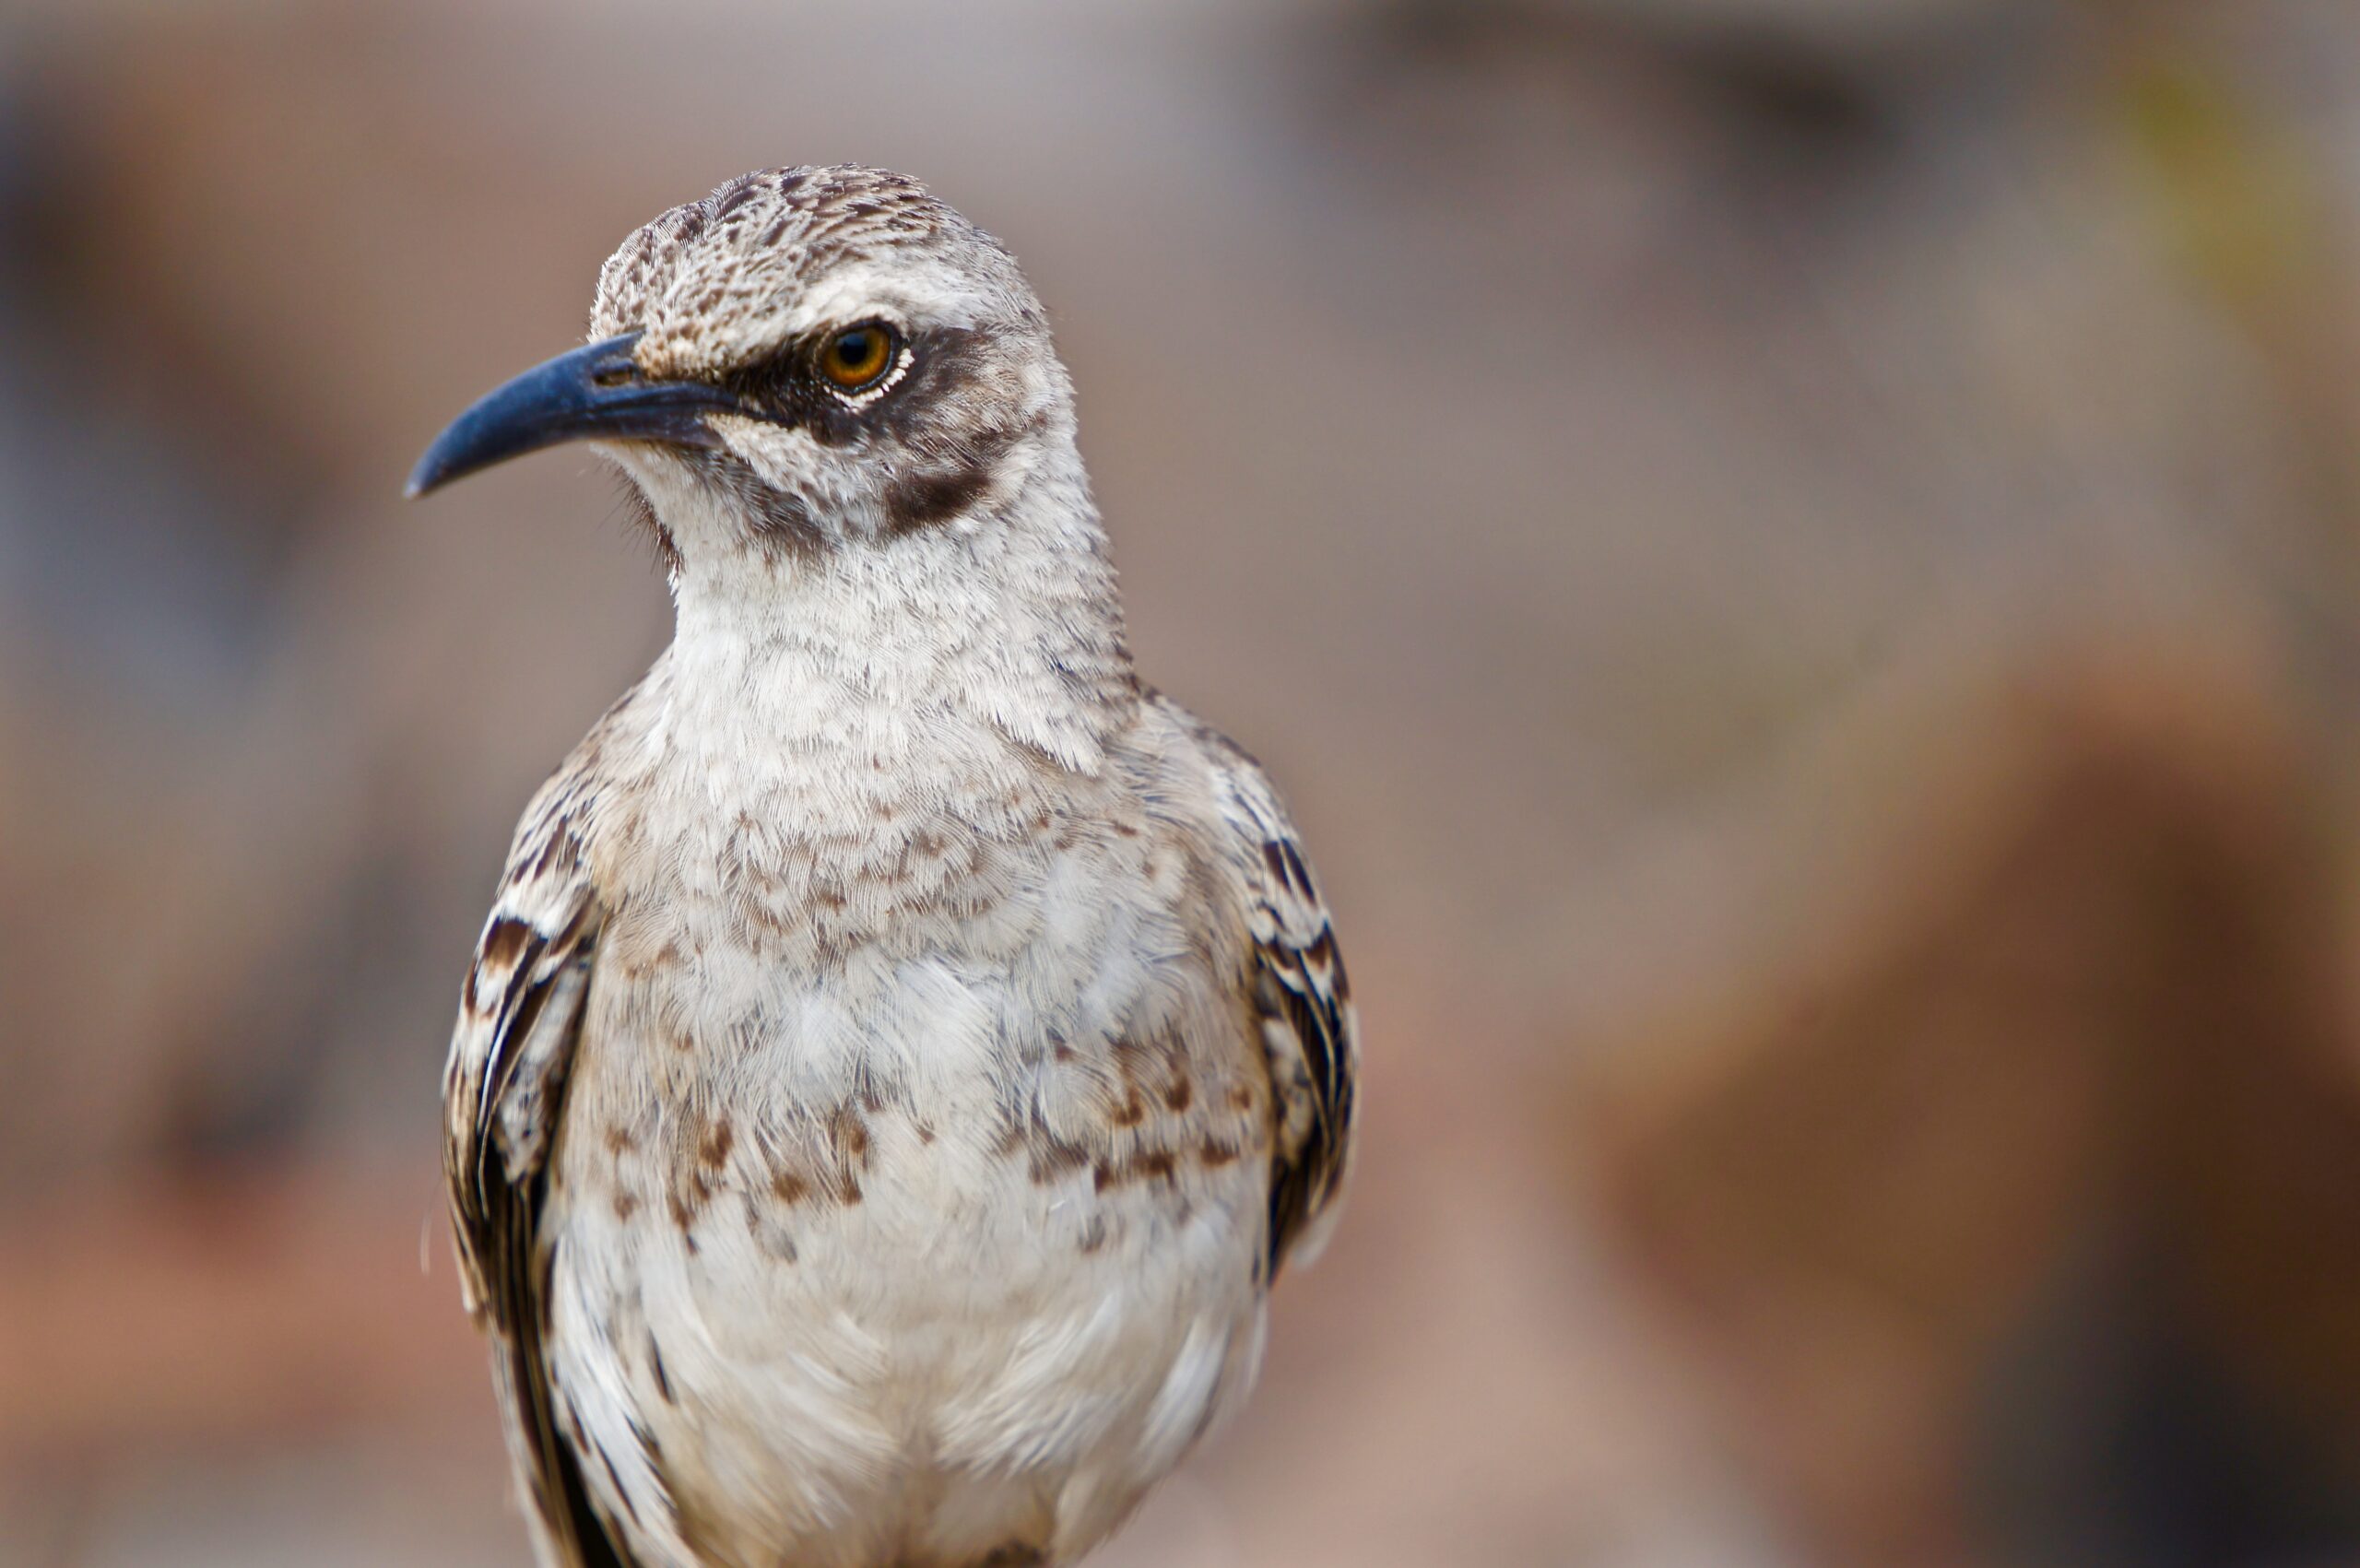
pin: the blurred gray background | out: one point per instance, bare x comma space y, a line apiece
1798, 559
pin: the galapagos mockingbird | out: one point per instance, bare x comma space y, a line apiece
905, 1045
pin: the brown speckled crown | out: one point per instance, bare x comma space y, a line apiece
697, 278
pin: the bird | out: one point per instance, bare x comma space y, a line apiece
905, 1045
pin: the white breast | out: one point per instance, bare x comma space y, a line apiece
897, 1232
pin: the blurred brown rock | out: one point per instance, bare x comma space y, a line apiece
2078, 988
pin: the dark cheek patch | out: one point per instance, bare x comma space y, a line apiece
922, 500
955, 417
967, 463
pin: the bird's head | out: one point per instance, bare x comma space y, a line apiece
806, 359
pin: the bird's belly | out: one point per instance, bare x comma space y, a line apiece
890, 1325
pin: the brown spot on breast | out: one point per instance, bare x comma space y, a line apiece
1146, 1165
1216, 1154
713, 1151
1052, 1157
619, 1140
788, 1187
626, 1205
849, 1135
1180, 1095
1131, 1111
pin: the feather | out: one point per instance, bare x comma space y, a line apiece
1303, 1003
520, 1018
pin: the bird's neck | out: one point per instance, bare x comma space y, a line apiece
955, 652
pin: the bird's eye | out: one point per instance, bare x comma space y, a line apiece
855, 357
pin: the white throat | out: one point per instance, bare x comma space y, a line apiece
954, 655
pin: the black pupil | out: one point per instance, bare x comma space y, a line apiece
854, 348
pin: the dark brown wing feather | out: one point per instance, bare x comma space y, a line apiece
519, 1020
1303, 1003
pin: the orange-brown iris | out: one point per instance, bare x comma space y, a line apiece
857, 356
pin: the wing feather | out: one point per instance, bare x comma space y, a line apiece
1303, 1002
520, 1017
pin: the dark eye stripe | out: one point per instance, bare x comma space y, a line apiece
923, 372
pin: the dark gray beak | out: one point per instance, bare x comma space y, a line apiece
596, 393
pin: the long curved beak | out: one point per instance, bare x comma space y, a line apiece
595, 393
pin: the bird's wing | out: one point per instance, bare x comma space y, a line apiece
1303, 1003
520, 1016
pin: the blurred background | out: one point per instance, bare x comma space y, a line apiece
1798, 559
